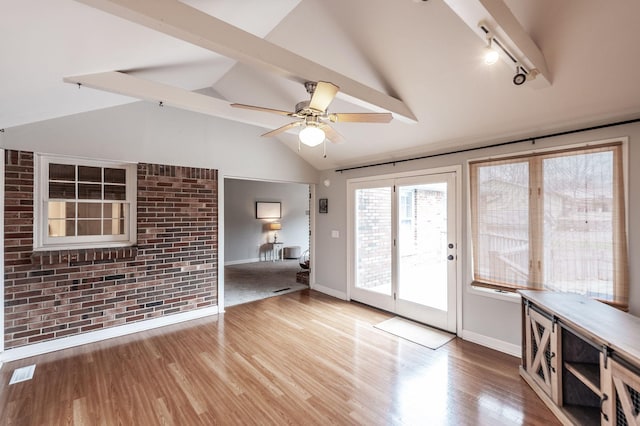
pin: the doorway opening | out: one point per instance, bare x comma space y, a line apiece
264, 253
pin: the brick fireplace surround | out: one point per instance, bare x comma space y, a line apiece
172, 269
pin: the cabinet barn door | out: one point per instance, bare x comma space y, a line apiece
542, 349
626, 396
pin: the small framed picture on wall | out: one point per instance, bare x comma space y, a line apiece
323, 205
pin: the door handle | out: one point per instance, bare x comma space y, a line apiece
450, 257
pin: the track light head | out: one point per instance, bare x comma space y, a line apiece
491, 55
520, 76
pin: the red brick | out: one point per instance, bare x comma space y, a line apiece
177, 233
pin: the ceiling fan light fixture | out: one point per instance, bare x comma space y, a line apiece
311, 135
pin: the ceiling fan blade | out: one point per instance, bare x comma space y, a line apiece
323, 95
257, 108
331, 134
359, 117
282, 129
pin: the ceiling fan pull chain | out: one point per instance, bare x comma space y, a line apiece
324, 148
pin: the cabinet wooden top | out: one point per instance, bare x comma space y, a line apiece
602, 323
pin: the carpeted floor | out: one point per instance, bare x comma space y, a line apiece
247, 282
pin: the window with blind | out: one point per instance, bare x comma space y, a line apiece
553, 221
83, 203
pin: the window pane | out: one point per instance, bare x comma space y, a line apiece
62, 190
115, 175
502, 243
87, 191
578, 224
374, 241
114, 192
61, 228
66, 172
113, 227
115, 210
422, 245
89, 174
89, 227
90, 210
62, 210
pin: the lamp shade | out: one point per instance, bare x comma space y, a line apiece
275, 226
311, 135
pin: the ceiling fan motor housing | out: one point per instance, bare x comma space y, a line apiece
311, 87
302, 106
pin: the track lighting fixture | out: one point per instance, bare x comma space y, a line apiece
491, 55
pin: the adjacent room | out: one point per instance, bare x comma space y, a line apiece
267, 233
320, 212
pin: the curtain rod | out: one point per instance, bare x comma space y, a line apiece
495, 145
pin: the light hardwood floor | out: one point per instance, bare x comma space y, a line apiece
301, 359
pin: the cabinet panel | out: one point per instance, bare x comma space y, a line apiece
542, 359
626, 396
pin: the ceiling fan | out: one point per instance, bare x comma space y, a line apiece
313, 115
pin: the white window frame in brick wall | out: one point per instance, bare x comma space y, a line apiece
82, 203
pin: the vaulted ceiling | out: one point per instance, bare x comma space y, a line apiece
419, 53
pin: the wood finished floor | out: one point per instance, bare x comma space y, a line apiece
299, 359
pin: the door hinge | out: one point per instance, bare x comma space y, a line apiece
394, 296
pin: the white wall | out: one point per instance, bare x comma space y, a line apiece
246, 236
145, 132
495, 319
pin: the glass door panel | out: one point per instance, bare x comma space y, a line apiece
374, 239
372, 281
426, 282
422, 241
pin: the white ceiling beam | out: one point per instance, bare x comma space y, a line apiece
186, 23
504, 25
125, 84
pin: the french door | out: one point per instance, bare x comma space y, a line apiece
403, 245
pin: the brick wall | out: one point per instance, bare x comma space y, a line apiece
430, 225
373, 237
172, 269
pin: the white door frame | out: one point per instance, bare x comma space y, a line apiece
457, 170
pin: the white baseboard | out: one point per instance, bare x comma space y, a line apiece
241, 261
490, 342
330, 291
99, 335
